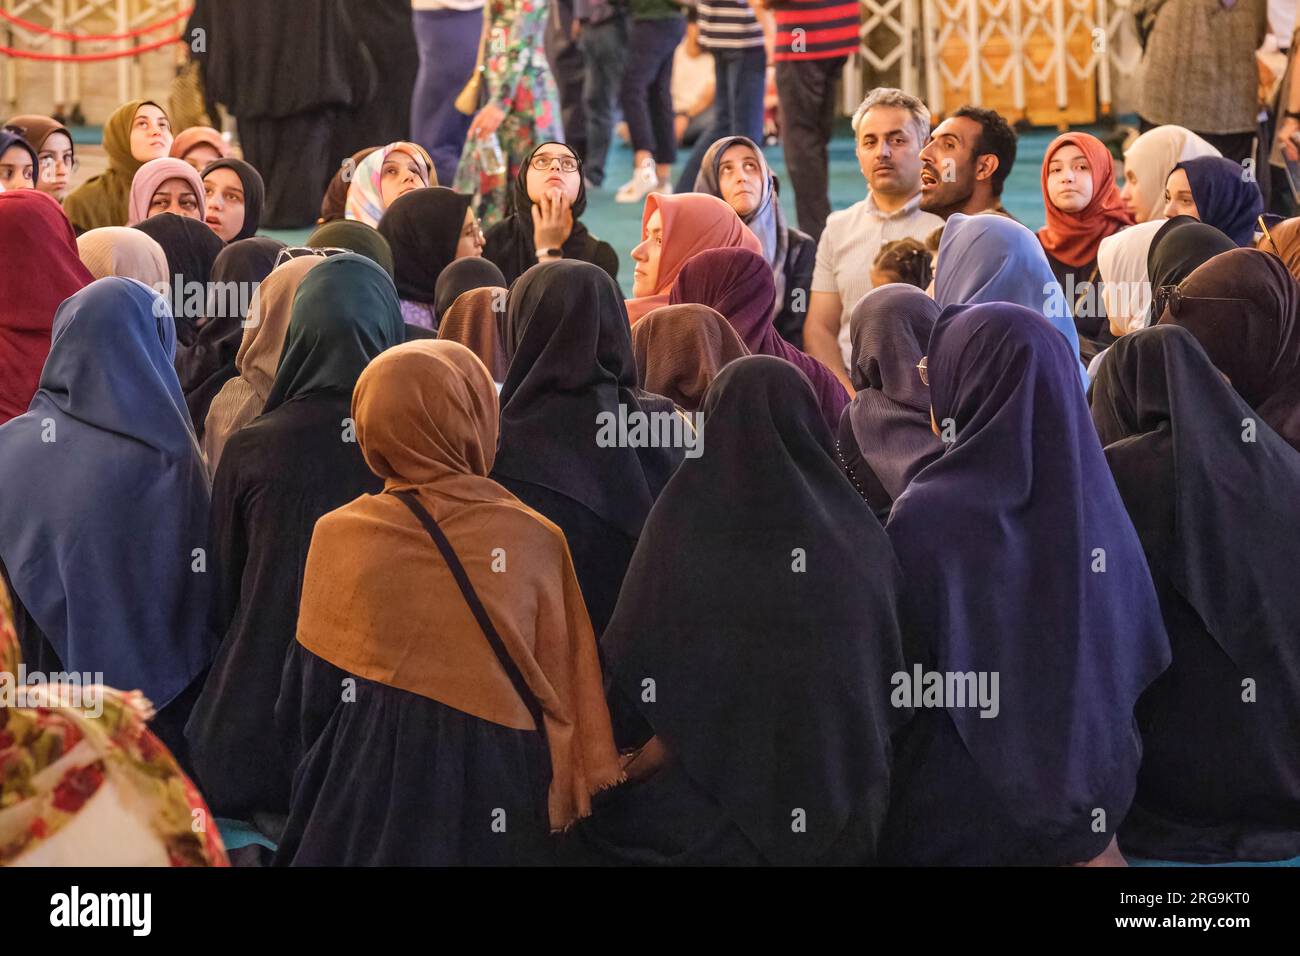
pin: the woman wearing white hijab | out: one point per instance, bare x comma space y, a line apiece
1126, 286
1149, 161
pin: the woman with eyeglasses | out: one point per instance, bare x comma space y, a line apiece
427, 230
548, 200
56, 161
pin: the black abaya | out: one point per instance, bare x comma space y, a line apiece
469, 805
276, 477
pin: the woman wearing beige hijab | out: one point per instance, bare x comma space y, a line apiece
243, 397
121, 251
475, 724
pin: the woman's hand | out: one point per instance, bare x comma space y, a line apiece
1286, 133
552, 220
486, 121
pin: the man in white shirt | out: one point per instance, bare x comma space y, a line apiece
889, 127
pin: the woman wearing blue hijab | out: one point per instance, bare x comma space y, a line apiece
989, 258
1012, 572
1218, 192
104, 517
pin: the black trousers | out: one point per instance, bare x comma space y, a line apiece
569, 68
806, 90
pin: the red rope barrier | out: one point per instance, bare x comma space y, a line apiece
88, 57
92, 37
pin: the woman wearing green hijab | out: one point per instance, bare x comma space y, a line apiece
135, 133
360, 238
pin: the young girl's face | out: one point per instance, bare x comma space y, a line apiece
16, 169
224, 192
1069, 179
151, 134
399, 175
1178, 196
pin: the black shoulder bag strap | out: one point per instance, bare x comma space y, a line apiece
412, 502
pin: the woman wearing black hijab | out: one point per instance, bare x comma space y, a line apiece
427, 229
1181, 244
191, 249
277, 475
210, 362
769, 636
235, 196
547, 202
571, 370
472, 272
1218, 516
1244, 308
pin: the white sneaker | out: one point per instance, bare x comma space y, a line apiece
665, 187
643, 182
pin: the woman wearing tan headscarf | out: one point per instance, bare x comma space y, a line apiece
243, 397
680, 349
462, 698
476, 320
125, 252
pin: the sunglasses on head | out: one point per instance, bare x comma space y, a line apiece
1171, 298
298, 252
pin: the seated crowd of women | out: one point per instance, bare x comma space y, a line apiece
400, 593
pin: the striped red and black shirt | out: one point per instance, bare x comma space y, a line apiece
816, 29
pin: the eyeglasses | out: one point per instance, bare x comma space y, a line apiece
567, 163
298, 252
923, 370
473, 230
1263, 227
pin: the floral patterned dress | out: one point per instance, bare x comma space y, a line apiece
518, 79
65, 760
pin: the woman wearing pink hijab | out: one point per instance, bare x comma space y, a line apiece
738, 283
673, 229
165, 185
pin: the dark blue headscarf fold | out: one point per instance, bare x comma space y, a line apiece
1001, 541
1225, 198
104, 511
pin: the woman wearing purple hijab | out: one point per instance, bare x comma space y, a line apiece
1218, 192
1032, 592
884, 436
738, 283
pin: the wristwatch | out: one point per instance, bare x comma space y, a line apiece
1291, 114
550, 253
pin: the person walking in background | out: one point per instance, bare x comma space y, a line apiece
522, 106
657, 27
813, 41
734, 33
601, 29
447, 33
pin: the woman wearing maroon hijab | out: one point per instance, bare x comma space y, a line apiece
39, 270
1083, 207
738, 283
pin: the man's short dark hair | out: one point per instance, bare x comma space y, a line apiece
996, 137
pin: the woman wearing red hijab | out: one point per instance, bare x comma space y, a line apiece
1083, 208
39, 270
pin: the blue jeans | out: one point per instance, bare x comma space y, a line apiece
448, 44
604, 46
647, 85
741, 77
